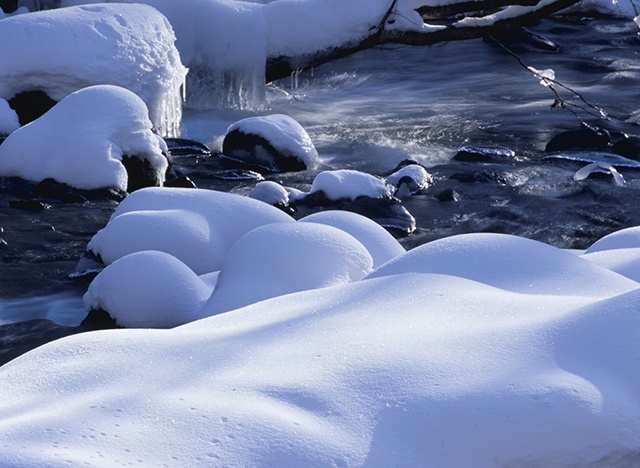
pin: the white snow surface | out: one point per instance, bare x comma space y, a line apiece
284, 133
522, 355
64, 50
349, 183
381, 245
8, 118
82, 139
192, 225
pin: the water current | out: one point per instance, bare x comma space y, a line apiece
376, 108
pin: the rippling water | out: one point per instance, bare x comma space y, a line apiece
376, 108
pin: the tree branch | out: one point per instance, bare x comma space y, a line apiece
467, 28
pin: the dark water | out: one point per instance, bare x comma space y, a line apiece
374, 109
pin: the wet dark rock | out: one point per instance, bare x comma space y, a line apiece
253, 152
583, 138
483, 154
184, 146
388, 213
448, 195
406, 187
182, 182
483, 177
30, 105
8, 6
140, 173
33, 204
405, 163
99, 319
628, 146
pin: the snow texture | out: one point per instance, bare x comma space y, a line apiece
64, 50
82, 139
349, 183
518, 356
196, 226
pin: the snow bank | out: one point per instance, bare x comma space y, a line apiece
196, 226
411, 368
81, 141
61, 51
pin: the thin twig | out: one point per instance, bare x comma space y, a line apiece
588, 108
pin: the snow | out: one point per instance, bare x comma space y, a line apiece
148, 289
270, 192
381, 245
284, 258
514, 357
349, 183
8, 118
82, 139
126, 45
197, 227
477, 350
284, 133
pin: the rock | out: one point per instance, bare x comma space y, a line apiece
30, 105
483, 177
273, 143
482, 154
409, 180
583, 138
629, 147
388, 213
140, 173
33, 204
183, 146
448, 195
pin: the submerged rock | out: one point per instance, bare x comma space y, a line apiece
583, 138
483, 154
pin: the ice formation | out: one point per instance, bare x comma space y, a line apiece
64, 50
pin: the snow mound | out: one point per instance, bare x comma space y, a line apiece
414, 369
284, 258
196, 226
81, 141
379, 242
349, 183
125, 45
148, 289
623, 239
270, 192
511, 263
624, 261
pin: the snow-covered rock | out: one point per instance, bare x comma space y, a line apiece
273, 143
64, 50
83, 140
349, 184
196, 226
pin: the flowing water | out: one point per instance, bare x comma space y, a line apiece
376, 108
